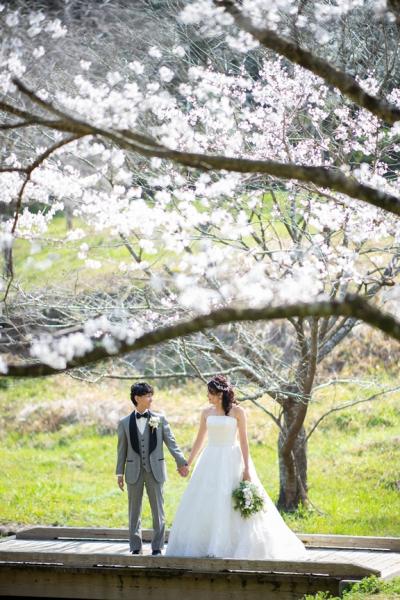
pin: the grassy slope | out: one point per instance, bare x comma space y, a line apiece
56, 466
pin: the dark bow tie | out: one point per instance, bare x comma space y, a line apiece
145, 415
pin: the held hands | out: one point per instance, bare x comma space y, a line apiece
183, 471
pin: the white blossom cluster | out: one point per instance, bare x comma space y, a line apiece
58, 352
275, 15
205, 239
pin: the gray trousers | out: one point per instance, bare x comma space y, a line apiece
154, 491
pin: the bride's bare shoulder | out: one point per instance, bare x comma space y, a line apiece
206, 411
237, 411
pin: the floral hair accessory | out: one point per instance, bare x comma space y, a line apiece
223, 387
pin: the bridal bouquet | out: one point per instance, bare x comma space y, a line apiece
247, 499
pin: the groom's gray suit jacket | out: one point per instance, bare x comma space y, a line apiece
147, 450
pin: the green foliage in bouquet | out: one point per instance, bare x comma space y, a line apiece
247, 499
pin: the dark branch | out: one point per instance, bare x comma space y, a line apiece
352, 306
319, 175
344, 82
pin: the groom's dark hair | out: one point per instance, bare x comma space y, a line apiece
140, 389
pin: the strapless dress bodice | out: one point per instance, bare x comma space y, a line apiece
221, 430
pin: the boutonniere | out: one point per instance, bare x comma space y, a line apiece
154, 422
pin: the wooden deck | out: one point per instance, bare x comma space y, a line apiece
59, 562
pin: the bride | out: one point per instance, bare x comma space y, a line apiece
206, 524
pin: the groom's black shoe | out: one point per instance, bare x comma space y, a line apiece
135, 552
156, 553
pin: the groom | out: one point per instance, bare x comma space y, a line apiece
141, 457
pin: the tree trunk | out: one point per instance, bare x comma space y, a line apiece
292, 466
8, 262
68, 217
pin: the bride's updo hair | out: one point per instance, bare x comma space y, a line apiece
218, 384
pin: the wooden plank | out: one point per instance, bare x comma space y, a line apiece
7, 538
375, 559
395, 559
346, 541
359, 555
315, 551
309, 539
391, 572
93, 533
382, 562
328, 555
53, 533
209, 565
103, 583
63, 545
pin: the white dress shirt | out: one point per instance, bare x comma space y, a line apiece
141, 423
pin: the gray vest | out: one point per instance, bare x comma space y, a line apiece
144, 448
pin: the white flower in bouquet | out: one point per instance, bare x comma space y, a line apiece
247, 499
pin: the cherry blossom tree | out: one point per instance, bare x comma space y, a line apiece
238, 196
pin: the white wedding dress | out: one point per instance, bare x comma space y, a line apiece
206, 523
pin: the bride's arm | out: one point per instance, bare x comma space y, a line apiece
199, 441
244, 442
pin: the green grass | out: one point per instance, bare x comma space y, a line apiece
60, 478
368, 588
64, 265
59, 469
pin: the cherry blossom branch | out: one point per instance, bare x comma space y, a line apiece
320, 175
28, 174
27, 117
34, 165
352, 306
344, 82
177, 375
18, 125
18, 112
146, 146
